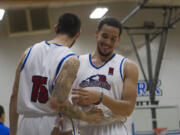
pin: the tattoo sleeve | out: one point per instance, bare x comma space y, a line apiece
63, 86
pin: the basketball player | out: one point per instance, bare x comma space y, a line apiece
43, 81
110, 82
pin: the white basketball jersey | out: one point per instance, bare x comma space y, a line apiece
38, 74
108, 79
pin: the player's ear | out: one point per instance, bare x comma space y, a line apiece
97, 32
78, 34
118, 40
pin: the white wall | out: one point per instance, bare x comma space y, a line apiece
169, 76
169, 73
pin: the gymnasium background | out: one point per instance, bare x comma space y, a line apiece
13, 44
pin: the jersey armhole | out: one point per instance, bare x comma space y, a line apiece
25, 60
121, 69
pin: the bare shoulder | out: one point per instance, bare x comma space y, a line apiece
72, 62
69, 69
24, 55
131, 69
130, 64
26, 51
22, 59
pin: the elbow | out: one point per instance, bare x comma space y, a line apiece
130, 109
55, 105
126, 112
129, 113
13, 98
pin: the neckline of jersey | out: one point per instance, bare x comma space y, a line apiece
101, 65
52, 43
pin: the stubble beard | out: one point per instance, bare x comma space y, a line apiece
103, 54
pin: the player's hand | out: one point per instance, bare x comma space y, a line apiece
94, 115
83, 97
57, 131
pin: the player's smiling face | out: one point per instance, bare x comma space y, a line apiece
107, 39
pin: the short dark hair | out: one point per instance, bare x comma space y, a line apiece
111, 21
1, 110
68, 24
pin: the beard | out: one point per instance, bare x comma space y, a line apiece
103, 54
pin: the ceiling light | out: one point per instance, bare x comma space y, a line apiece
98, 13
2, 11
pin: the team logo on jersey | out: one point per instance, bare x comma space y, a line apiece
111, 71
96, 81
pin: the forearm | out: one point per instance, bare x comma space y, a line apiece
119, 107
88, 97
60, 94
61, 104
72, 111
68, 109
13, 116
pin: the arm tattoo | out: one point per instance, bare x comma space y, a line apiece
63, 86
65, 79
71, 111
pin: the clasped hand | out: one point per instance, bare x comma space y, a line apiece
83, 97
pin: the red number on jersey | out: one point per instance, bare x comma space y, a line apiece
39, 91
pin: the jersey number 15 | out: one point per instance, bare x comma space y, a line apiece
39, 91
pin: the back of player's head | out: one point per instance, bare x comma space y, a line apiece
110, 21
68, 24
1, 111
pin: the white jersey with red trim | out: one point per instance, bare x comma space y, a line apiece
38, 73
108, 79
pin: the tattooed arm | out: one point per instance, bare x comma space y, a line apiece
59, 99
